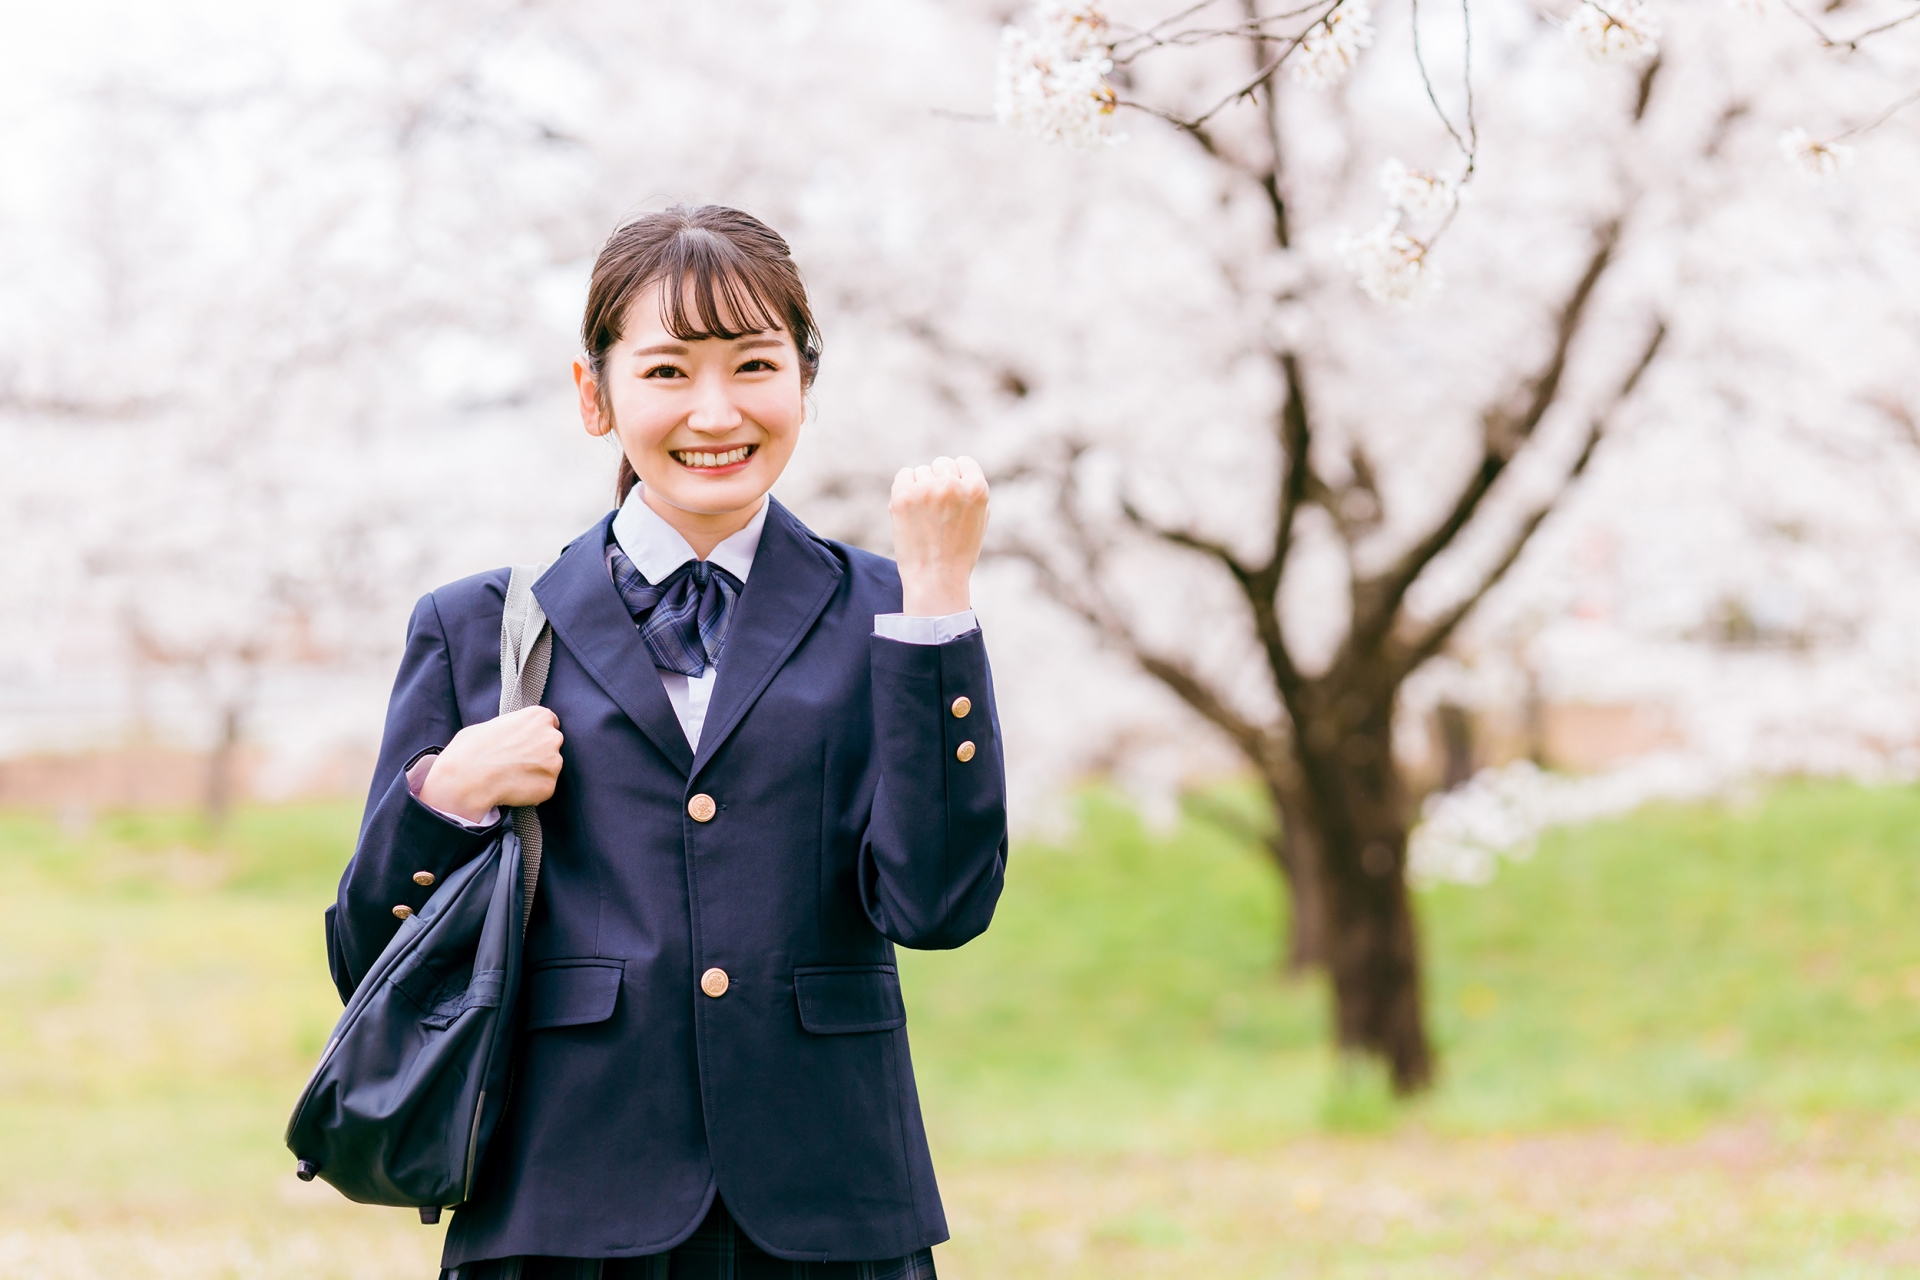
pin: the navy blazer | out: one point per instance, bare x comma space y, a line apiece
846, 821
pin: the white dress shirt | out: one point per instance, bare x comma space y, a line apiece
657, 549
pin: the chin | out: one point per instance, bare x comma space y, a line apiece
715, 495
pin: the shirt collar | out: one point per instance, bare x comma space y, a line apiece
657, 549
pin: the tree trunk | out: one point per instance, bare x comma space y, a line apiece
1289, 843
1536, 712
222, 764
1357, 807
1456, 744
1296, 852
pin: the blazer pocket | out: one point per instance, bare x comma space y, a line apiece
572, 993
845, 999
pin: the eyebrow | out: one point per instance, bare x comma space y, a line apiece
680, 349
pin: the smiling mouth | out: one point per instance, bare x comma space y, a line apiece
712, 461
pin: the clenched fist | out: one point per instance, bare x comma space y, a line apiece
939, 517
511, 760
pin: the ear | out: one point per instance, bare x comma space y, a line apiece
589, 388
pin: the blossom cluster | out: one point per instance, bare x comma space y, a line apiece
1812, 157
1052, 80
1418, 193
1502, 813
1331, 47
1619, 30
1388, 264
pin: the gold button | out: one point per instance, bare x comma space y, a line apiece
962, 705
403, 911
701, 809
423, 878
965, 752
714, 982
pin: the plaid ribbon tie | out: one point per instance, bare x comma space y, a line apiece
684, 619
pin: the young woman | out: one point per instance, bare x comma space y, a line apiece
763, 759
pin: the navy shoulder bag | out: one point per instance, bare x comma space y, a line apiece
414, 1079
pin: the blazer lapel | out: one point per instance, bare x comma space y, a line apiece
791, 582
593, 623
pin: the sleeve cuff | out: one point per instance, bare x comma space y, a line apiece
911, 630
417, 777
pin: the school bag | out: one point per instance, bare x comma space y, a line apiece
414, 1080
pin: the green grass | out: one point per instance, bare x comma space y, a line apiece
1662, 972
161, 996
1689, 964
1679, 973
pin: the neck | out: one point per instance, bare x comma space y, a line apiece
703, 530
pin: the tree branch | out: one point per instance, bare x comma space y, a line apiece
1084, 598
1296, 442
1099, 614
1269, 180
1232, 821
1849, 43
1897, 412
1191, 541
1437, 635
1264, 72
1507, 426
1262, 585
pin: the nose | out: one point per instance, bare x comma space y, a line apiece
713, 408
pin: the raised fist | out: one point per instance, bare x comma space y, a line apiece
939, 518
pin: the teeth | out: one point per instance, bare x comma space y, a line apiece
726, 459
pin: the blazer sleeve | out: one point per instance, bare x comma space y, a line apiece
400, 838
934, 855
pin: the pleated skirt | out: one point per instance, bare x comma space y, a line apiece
717, 1250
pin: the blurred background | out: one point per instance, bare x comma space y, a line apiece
1507, 499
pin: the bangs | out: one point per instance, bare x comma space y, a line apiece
723, 292
727, 273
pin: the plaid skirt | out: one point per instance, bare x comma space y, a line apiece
717, 1250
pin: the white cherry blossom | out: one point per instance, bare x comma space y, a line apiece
1619, 30
1813, 157
1052, 81
1418, 193
1329, 50
1388, 264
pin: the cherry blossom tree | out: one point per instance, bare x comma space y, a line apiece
225, 369
1402, 461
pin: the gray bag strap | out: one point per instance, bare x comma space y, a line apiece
526, 652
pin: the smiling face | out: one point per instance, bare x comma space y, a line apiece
708, 424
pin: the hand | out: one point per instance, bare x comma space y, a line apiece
939, 518
511, 760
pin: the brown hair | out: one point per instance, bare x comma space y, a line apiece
742, 280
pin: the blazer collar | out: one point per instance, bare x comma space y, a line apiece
793, 579
592, 621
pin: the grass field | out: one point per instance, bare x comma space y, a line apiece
1683, 1044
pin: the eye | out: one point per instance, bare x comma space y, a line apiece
758, 365
664, 371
